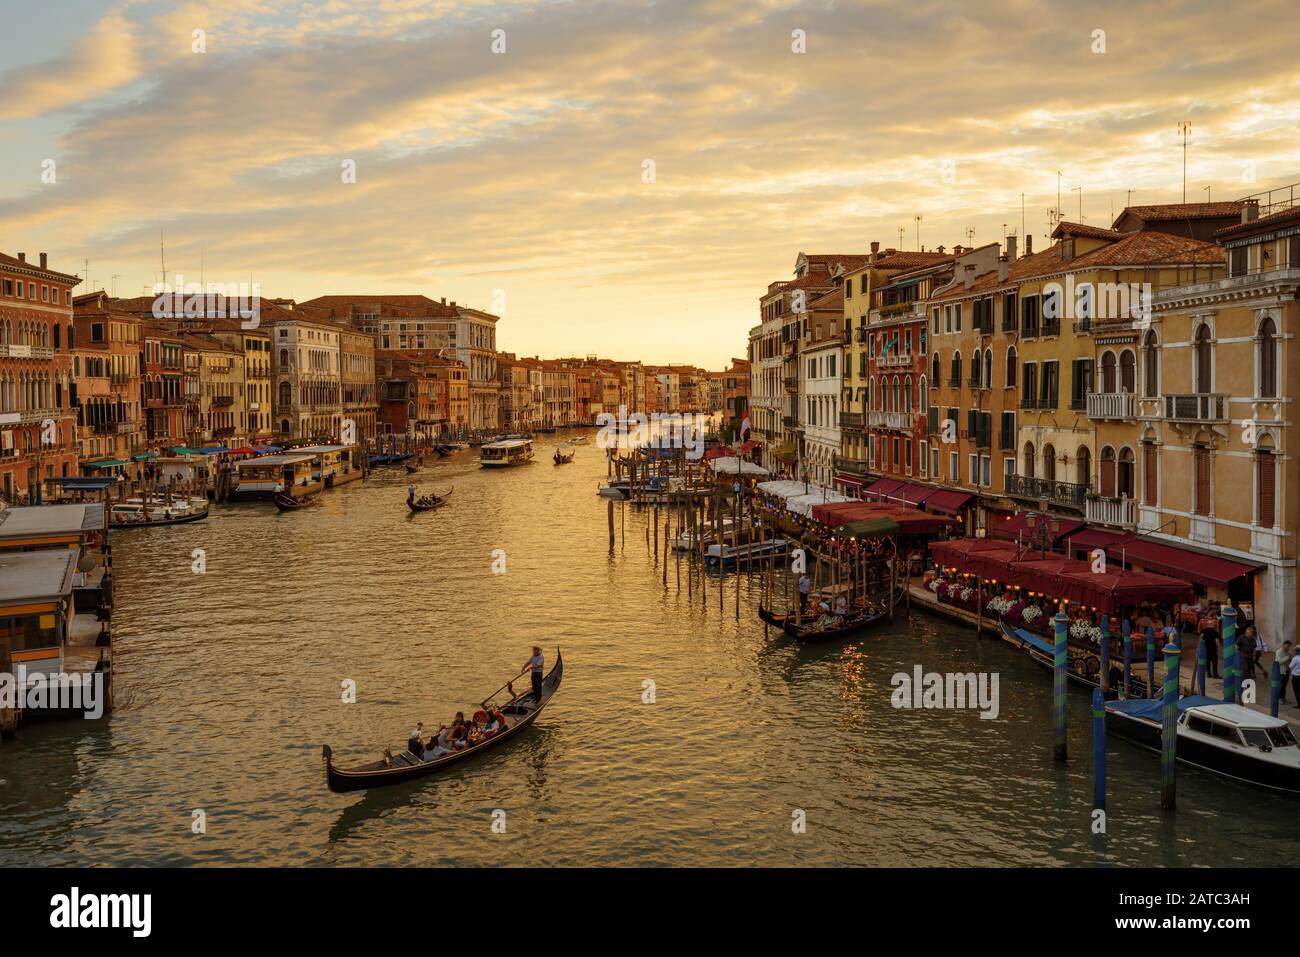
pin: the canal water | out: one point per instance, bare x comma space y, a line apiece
228, 683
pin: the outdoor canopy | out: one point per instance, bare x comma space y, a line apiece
868, 528
910, 521
1058, 576
730, 466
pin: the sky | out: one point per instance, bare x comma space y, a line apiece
616, 178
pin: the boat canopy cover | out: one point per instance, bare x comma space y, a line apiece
868, 528
1042, 644
730, 466
1152, 707
88, 483
145, 455
804, 504
105, 464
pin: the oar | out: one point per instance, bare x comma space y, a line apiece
483, 703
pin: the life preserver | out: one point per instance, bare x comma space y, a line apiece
480, 717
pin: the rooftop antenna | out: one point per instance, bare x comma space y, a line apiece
1185, 129
1022, 214
900, 237
918, 232
1059, 214
1080, 191
970, 235
115, 277
1207, 193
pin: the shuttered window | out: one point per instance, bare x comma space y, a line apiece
1149, 474
1201, 464
1266, 467
1108, 472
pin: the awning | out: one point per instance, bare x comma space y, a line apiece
106, 464
243, 450
882, 487
145, 455
263, 449
182, 450
1094, 538
718, 452
84, 483
1179, 562
945, 500
910, 521
868, 528
212, 449
1017, 529
747, 447
848, 482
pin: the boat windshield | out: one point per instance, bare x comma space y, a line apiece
1282, 737
1257, 738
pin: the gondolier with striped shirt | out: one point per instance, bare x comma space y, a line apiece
536, 663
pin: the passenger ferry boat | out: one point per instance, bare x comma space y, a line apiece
728, 554
506, 452
1223, 738
293, 473
133, 512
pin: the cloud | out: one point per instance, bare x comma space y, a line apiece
102, 61
522, 171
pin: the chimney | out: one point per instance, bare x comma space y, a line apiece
1011, 248
940, 250
968, 275
1029, 244
1002, 267
444, 300
22, 257
1250, 210
44, 260
956, 250
875, 250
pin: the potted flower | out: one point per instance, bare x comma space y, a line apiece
1031, 614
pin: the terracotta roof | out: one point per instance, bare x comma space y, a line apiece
15, 263
420, 304
832, 300
1065, 228
849, 261
1167, 211
912, 260
1263, 222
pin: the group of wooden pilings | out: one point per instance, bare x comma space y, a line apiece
1232, 679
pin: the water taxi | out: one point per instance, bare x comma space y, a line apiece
135, 512
292, 473
728, 554
1222, 738
506, 452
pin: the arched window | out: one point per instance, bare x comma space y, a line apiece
1268, 358
907, 394
925, 397
1265, 487
988, 368
1028, 464
1049, 462
1108, 472
284, 358
1011, 367
286, 394
1150, 473
1108, 372
1202, 362
1083, 467
934, 369
1150, 365
1127, 476
956, 369
1127, 372
976, 368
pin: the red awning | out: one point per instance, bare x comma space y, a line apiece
944, 500
747, 447
1095, 538
719, 452
1182, 563
910, 521
881, 487
847, 482
1017, 529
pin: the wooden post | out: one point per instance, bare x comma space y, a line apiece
1169, 727
1231, 661
1059, 691
1105, 653
611, 524
1151, 663
1098, 750
667, 541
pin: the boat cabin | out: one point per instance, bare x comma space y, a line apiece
335, 464
505, 453
292, 473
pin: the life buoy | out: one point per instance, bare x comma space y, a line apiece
480, 717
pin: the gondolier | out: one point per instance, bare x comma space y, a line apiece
536, 663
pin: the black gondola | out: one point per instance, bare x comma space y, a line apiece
521, 711
411, 469
562, 459
117, 522
288, 503
428, 503
815, 630
1082, 667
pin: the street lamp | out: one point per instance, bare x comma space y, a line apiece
1043, 526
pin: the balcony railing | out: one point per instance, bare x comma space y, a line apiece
891, 420
851, 466
28, 416
1111, 405
1119, 512
852, 420
791, 382
1059, 493
894, 360
26, 352
1197, 407
790, 421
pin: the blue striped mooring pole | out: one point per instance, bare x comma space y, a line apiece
1060, 660
1169, 727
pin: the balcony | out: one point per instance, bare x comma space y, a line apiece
790, 347
790, 421
901, 421
1197, 407
850, 466
124, 428
26, 352
862, 334
1111, 405
221, 401
30, 416
791, 382
1118, 512
895, 360
852, 420
1058, 493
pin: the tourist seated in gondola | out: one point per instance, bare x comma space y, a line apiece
841, 605
439, 744
459, 733
415, 743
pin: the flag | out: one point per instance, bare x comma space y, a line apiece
744, 426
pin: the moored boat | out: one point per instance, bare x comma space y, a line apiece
399, 766
829, 627
1225, 739
135, 513
728, 554
1083, 665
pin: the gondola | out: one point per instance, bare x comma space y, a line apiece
1084, 669
418, 505
812, 631
287, 503
117, 523
521, 711
411, 469
562, 459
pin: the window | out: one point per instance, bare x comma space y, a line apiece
1202, 359
934, 371
1126, 473
1007, 433
1150, 473
1083, 467
934, 320
1080, 382
973, 469
955, 377
1237, 261
1201, 478
1009, 314
988, 368
1029, 386
1029, 317
1051, 383
1049, 462
1011, 367
1265, 489
1028, 461
956, 317
953, 472
1008, 471
986, 471
976, 368
934, 462
1150, 365
925, 457
1267, 359
1051, 312
1127, 372
1108, 472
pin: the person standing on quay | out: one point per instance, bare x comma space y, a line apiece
1211, 639
536, 663
1294, 665
1283, 659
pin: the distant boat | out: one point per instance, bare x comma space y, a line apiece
562, 459
506, 453
429, 502
288, 503
133, 513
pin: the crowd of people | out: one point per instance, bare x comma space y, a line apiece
457, 736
